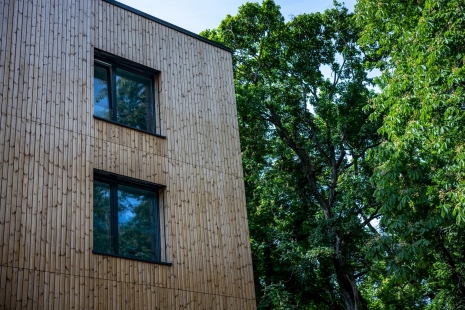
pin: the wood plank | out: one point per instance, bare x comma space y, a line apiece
6, 29
3, 186
34, 149
7, 187
15, 61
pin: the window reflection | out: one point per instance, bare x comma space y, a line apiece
133, 108
124, 92
103, 240
101, 102
137, 223
126, 218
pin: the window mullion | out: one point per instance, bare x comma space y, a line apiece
156, 103
151, 114
109, 90
154, 216
114, 215
113, 92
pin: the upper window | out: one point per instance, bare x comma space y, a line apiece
126, 217
124, 92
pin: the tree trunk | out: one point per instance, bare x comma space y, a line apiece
349, 291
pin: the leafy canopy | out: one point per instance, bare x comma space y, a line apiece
419, 45
301, 89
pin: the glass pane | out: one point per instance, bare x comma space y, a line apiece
101, 102
133, 106
103, 241
137, 223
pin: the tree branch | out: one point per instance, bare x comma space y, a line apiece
304, 159
371, 217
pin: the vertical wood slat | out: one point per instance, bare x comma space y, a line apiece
7, 9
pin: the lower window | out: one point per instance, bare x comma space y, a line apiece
126, 217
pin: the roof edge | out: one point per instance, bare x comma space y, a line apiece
169, 25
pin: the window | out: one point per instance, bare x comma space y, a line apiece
124, 92
126, 217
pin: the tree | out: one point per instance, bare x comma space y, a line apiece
305, 139
419, 46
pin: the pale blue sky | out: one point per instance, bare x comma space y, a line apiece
199, 15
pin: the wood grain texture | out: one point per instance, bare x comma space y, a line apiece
50, 144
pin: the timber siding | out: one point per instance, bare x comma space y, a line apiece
50, 144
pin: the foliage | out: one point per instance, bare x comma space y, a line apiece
312, 155
420, 47
305, 138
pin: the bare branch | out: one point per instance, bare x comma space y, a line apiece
372, 216
337, 75
304, 159
358, 275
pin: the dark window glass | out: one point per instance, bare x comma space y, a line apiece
132, 101
137, 223
124, 92
103, 239
126, 219
101, 101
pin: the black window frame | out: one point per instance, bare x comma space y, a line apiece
113, 180
111, 63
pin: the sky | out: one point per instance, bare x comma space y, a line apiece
198, 15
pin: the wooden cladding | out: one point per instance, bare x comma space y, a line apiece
50, 144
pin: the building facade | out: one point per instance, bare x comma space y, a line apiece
121, 176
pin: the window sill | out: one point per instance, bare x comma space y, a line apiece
133, 258
126, 126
